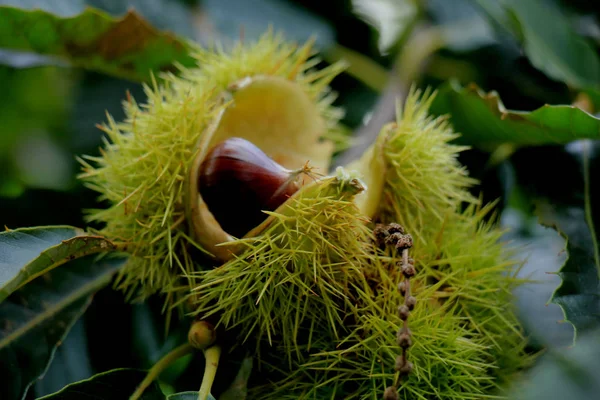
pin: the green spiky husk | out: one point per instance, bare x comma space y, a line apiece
143, 167
297, 272
467, 339
312, 292
424, 182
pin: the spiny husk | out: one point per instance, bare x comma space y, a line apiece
412, 171
291, 137
310, 290
144, 165
297, 271
467, 339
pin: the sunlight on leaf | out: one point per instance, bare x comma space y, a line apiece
579, 293
572, 373
389, 17
483, 121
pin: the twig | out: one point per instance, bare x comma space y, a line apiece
160, 366
394, 235
212, 355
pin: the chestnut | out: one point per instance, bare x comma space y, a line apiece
238, 181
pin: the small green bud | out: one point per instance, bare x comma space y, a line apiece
201, 334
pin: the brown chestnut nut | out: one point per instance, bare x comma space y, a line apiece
238, 181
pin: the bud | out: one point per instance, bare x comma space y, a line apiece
399, 363
381, 234
408, 270
406, 368
391, 393
403, 312
403, 338
395, 228
402, 288
201, 334
403, 242
393, 239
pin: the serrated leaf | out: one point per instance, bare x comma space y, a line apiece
572, 373
579, 293
483, 121
127, 47
187, 396
36, 318
28, 253
117, 384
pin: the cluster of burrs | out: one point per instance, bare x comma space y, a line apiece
393, 235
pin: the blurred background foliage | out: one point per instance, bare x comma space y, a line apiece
531, 53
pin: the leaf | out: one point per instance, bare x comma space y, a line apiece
391, 18
173, 16
239, 387
117, 384
483, 121
540, 249
36, 318
187, 396
70, 363
63, 8
28, 253
571, 373
465, 27
553, 46
548, 39
252, 17
579, 293
126, 47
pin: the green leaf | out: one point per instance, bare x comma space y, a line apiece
252, 17
36, 318
579, 293
71, 361
553, 46
464, 26
571, 373
548, 39
117, 384
187, 396
126, 47
483, 121
239, 387
391, 18
173, 16
28, 253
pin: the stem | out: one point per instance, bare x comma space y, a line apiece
587, 203
361, 67
160, 366
212, 355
